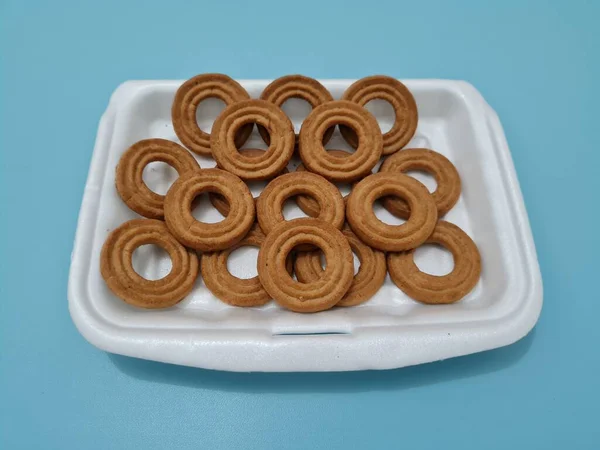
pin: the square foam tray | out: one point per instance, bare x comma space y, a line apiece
389, 331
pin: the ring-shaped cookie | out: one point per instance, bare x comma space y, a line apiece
269, 163
229, 288
433, 289
377, 234
117, 269
295, 86
188, 97
397, 94
269, 205
320, 294
218, 201
307, 204
129, 178
347, 168
203, 236
448, 181
367, 281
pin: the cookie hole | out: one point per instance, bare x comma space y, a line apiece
323, 260
204, 211
356, 263
291, 210
385, 216
159, 176
151, 262
354, 257
383, 112
296, 109
434, 259
242, 262
207, 111
254, 140
337, 141
424, 177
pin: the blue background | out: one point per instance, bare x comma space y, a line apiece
537, 64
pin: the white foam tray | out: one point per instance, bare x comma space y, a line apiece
390, 330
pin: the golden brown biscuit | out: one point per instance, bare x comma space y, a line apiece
401, 99
448, 181
367, 281
269, 163
347, 168
202, 236
306, 297
188, 97
225, 286
229, 288
269, 205
371, 230
434, 289
129, 180
295, 86
118, 272
218, 201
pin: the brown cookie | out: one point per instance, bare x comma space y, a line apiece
448, 181
401, 99
434, 289
129, 180
347, 168
202, 236
371, 230
269, 163
295, 86
218, 201
307, 204
229, 288
315, 296
188, 97
118, 272
269, 205
367, 281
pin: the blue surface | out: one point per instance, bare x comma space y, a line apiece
535, 62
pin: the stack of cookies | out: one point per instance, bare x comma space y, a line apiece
289, 261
